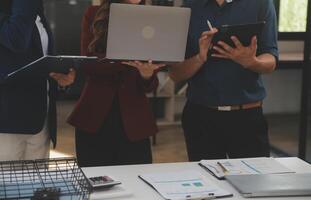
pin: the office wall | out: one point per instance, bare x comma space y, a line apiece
284, 86
283, 91
65, 21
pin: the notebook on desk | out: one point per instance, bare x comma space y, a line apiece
184, 185
271, 185
247, 166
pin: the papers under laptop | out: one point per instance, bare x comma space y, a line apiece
184, 185
272, 185
222, 168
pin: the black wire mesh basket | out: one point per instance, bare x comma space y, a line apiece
50, 179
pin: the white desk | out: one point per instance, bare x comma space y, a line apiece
141, 191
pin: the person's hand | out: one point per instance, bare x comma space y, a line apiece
205, 43
64, 79
245, 56
146, 69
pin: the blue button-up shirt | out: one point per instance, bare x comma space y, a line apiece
223, 82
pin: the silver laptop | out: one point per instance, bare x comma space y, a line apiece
140, 32
272, 185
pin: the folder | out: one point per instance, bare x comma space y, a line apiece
248, 166
47, 64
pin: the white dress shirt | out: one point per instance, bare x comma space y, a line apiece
43, 36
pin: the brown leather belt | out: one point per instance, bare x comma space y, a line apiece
256, 104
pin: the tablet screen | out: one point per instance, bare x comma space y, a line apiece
243, 32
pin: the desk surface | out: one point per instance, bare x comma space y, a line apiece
141, 191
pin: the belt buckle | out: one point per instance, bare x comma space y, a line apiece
224, 108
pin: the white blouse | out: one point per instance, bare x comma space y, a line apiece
43, 36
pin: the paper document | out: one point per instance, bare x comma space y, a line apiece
110, 193
184, 185
221, 168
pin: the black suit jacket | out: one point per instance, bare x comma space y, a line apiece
23, 103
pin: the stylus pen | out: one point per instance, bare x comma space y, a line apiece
209, 25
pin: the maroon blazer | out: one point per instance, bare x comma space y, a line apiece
104, 82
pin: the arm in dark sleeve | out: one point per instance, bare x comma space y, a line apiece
16, 30
86, 38
148, 85
100, 69
3, 17
269, 38
86, 33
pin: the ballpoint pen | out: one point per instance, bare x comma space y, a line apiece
222, 167
204, 198
208, 197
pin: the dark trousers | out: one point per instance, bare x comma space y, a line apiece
212, 134
110, 145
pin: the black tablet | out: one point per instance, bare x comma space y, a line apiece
244, 32
44, 65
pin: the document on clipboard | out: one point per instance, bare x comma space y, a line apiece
248, 166
44, 65
184, 185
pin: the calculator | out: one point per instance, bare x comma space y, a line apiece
102, 182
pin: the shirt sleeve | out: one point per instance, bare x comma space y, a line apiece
86, 33
2, 18
148, 85
269, 38
16, 29
191, 48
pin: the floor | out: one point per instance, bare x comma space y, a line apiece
170, 145
284, 132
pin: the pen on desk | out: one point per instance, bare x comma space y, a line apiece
209, 197
204, 198
222, 167
209, 25
200, 198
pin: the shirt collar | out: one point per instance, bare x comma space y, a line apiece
226, 1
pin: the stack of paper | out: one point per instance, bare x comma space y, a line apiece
221, 168
184, 185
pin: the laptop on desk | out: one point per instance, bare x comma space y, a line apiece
140, 32
271, 185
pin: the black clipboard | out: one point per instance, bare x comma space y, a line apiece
244, 32
47, 64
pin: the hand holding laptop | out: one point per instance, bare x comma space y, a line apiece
146, 69
64, 79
